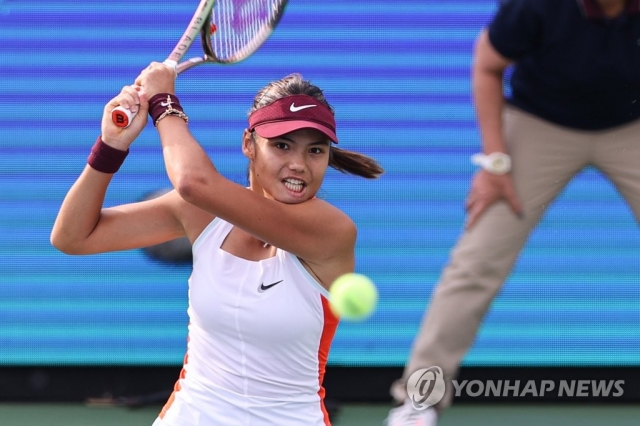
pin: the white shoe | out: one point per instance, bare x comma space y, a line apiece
406, 415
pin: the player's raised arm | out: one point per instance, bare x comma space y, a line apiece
83, 225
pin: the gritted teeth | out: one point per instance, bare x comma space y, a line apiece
295, 185
294, 181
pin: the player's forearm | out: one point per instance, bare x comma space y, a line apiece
188, 166
80, 211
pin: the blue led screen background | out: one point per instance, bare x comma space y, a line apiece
398, 76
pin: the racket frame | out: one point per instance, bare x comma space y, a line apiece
201, 24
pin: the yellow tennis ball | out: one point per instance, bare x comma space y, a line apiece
353, 296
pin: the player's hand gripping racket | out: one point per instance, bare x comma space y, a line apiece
230, 31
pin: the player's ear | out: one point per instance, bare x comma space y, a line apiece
248, 145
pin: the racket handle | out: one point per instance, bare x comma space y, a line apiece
122, 117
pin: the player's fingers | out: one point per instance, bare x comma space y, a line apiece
129, 98
143, 95
143, 106
143, 79
135, 92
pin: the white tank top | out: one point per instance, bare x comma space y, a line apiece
258, 331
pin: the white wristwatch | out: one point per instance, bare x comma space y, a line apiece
497, 163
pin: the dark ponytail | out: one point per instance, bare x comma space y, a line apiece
354, 163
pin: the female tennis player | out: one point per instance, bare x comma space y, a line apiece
264, 255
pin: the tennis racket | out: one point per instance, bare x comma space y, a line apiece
230, 31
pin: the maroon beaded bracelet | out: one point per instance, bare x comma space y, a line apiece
105, 158
163, 105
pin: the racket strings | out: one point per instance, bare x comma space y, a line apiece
242, 26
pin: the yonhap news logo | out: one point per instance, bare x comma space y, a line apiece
539, 388
426, 387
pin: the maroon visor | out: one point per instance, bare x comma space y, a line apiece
293, 113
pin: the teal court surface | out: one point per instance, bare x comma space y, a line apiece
66, 414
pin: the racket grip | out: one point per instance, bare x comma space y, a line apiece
122, 117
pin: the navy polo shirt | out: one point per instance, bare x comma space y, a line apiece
572, 65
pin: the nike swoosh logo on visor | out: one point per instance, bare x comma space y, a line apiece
263, 287
294, 108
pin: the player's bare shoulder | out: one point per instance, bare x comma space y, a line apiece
333, 213
335, 225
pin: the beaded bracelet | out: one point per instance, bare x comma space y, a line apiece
105, 158
163, 105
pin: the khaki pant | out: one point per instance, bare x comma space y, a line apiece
544, 157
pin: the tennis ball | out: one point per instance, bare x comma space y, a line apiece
353, 296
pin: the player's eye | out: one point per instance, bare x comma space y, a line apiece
281, 145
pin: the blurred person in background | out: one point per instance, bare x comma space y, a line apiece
574, 103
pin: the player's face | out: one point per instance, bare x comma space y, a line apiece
290, 168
